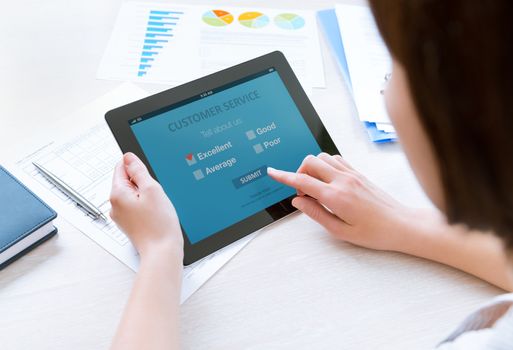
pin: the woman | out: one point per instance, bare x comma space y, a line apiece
451, 100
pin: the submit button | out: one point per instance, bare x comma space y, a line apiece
250, 177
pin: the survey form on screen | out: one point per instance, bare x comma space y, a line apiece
211, 152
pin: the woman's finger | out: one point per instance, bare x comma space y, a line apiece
120, 178
317, 212
136, 170
317, 168
331, 160
342, 161
301, 182
121, 189
119, 174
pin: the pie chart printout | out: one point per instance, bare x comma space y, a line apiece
217, 18
289, 21
253, 19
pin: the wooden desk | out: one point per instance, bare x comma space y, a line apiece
292, 287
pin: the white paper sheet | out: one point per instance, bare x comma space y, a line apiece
368, 61
84, 158
386, 127
172, 44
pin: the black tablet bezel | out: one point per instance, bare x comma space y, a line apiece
118, 121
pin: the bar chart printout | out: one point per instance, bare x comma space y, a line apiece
159, 32
174, 44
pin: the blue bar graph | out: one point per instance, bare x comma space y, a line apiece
157, 37
165, 13
149, 53
154, 41
160, 18
153, 23
151, 47
153, 29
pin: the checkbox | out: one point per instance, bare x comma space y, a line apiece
250, 135
198, 174
190, 159
258, 148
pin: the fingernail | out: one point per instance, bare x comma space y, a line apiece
128, 158
271, 170
297, 203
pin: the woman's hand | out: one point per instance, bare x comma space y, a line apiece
350, 207
143, 211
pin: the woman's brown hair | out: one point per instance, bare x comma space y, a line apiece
458, 56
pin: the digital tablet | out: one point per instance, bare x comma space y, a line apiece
209, 143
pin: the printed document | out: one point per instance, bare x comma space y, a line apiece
368, 61
173, 44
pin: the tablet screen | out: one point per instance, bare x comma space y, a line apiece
210, 152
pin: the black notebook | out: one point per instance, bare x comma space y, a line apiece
25, 220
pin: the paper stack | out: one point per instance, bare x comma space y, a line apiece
365, 64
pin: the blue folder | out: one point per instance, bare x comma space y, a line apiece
329, 23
